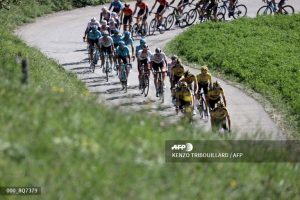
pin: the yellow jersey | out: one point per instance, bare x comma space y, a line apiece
214, 94
219, 113
177, 70
184, 94
203, 78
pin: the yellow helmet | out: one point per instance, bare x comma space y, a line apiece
216, 84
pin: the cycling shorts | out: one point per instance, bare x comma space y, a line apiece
204, 86
160, 8
212, 103
124, 59
158, 66
141, 12
127, 19
107, 50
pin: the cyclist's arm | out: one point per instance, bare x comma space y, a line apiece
229, 122
153, 6
135, 7
171, 2
195, 85
110, 6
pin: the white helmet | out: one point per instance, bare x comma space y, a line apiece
93, 20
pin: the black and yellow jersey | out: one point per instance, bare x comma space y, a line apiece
203, 78
215, 93
219, 113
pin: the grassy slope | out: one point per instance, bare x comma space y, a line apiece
261, 53
55, 136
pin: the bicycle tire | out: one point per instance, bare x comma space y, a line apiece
106, 70
162, 95
184, 20
163, 26
222, 9
220, 16
144, 29
147, 85
169, 21
152, 27
264, 10
193, 14
133, 30
240, 11
288, 10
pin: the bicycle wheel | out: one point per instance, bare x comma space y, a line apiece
134, 30
239, 11
192, 16
152, 27
222, 9
184, 20
162, 96
107, 70
169, 21
288, 10
220, 16
146, 85
264, 10
144, 29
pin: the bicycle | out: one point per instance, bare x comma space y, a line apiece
238, 10
202, 106
153, 26
145, 83
96, 56
271, 8
180, 20
107, 66
123, 75
139, 30
205, 16
160, 85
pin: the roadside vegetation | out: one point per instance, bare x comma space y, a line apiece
262, 53
54, 135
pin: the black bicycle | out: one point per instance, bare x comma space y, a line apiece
144, 81
123, 75
180, 20
202, 106
139, 30
271, 8
238, 10
153, 26
160, 85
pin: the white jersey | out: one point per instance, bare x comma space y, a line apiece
158, 57
90, 24
144, 55
106, 42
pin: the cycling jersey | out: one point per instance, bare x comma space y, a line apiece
127, 11
142, 55
214, 94
128, 41
203, 78
162, 2
142, 5
90, 24
137, 49
103, 28
189, 79
93, 35
116, 4
123, 52
184, 94
219, 113
116, 39
106, 42
158, 57
177, 70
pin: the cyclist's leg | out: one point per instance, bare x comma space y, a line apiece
280, 4
103, 50
90, 49
110, 53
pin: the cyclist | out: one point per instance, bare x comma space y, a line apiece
204, 80
177, 71
93, 22
142, 14
107, 46
93, 38
126, 17
160, 11
280, 4
184, 99
123, 55
117, 6
104, 26
180, 7
231, 7
116, 38
143, 57
158, 63
218, 117
113, 26
105, 14
128, 41
213, 7
215, 94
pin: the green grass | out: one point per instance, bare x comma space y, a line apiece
261, 53
54, 135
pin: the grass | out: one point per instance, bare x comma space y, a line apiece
261, 53
53, 134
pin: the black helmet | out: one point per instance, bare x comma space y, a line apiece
157, 50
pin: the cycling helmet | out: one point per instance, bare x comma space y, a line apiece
105, 33
93, 20
204, 68
186, 73
116, 32
127, 34
157, 50
216, 84
104, 9
127, 5
142, 41
104, 23
174, 57
121, 43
